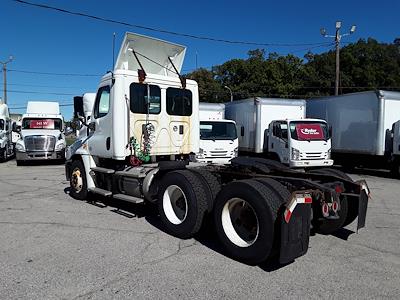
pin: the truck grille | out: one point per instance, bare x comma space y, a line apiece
39, 143
217, 154
312, 155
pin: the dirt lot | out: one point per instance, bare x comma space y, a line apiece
54, 247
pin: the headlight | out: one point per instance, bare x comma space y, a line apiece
236, 151
60, 146
20, 147
200, 153
295, 154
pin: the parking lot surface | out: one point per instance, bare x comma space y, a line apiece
55, 247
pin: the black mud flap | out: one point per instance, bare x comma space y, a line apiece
362, 209
295, 235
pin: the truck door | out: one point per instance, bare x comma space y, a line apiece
101, 125
278, 140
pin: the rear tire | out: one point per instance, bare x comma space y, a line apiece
345, 213
214, 187
245, 213
182, 203
78, 183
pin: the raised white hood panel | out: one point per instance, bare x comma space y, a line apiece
155, 50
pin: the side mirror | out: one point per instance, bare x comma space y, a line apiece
278, 131
78, 107
76, 124
330, 131
16, 128
92, 126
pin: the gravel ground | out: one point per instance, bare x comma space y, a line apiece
54, 247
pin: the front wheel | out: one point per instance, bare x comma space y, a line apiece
78, 184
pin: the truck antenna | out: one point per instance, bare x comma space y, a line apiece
113, 52
182, 79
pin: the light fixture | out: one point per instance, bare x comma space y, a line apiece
338, 24
353, 29
323, 31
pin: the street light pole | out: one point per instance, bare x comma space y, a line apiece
337, 37
230, 91
5, 78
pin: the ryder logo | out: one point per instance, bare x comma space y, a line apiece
309, 131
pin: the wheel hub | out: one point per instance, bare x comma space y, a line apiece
76, 180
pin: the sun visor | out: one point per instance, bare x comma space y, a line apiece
152, 53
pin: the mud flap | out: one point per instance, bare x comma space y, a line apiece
295, 234
362, 209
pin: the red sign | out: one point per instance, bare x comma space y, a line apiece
309, 132
41, 124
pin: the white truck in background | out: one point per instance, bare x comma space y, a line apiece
278, 128
366, 128
41, 133
218, 136
143, 130
7, 146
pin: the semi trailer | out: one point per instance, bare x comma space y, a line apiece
41, 133
7, 145
144, 129
366, 128
279, 129
218, 136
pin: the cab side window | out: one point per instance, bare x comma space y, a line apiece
179, 102
102, 102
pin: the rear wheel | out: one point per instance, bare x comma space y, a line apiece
78, 184
244, 214
328, 226
182, 202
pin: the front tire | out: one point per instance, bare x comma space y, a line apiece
78, 183
244, 214
182, 203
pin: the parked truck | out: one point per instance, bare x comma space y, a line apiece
366, 128
278, 128
144, 128
218, 137
41, 133
7, 146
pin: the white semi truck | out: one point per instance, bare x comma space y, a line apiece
7, 146
278, 128
218, 136
366, 128
41, 134
143, 129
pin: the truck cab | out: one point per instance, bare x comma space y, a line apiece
6, 143
218, 136
41, 134
300, 142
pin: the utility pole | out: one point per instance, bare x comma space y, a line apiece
337, 37
5, 77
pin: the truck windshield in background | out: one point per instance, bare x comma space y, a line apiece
305, 131
217, 130
36, 123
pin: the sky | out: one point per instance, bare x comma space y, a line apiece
47, 41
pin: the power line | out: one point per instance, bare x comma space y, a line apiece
57, 74
39, 92
62, 10
45, 86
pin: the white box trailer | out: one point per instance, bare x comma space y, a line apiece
365, 127
278, 128
218, 136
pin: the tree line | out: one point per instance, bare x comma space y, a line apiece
364, 65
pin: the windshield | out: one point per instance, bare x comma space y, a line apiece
305, 131
217, 131
1, 124
36, 123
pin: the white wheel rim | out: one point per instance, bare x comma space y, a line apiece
175, 204
76, 180
240, 222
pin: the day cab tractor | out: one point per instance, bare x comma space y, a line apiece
144, 129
